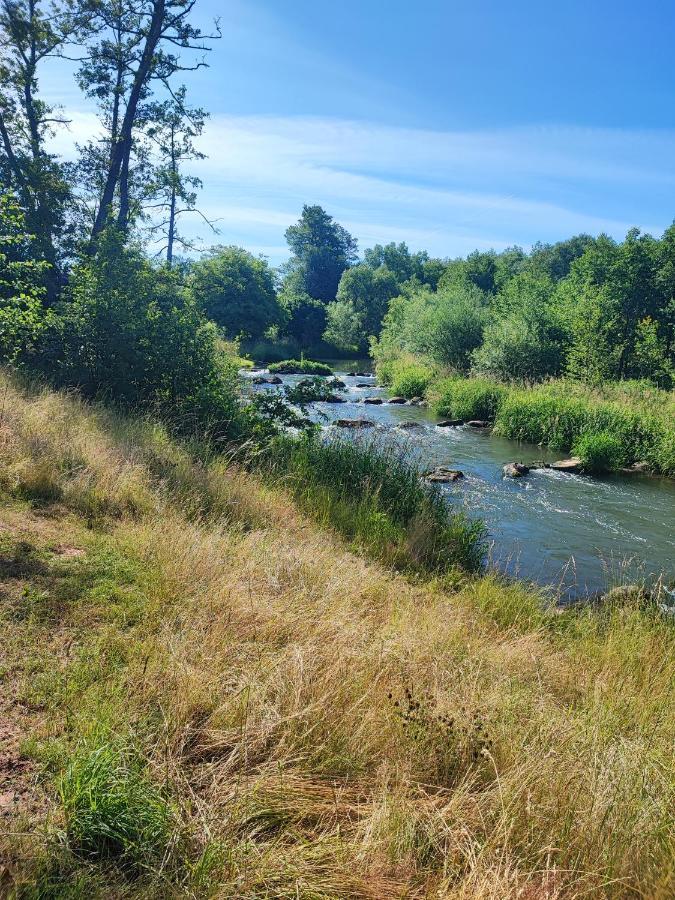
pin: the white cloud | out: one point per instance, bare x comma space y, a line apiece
448, 192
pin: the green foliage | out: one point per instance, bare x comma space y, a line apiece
446, 326
312, 390
525, 340
344, 326
369, 291
600, 451
322, 250
304, 317
133, 333
410, 379
22, 317
374, 496
300, 367
469, 398
111, 808
236, 290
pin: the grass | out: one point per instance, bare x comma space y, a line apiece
212, 696
374, 497
300, 367
610, 427
405, 377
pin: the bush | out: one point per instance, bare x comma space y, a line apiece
411, 380
469, 398
132, 333
300, 367
111, 808
600, 452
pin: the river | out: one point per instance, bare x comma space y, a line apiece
572, 533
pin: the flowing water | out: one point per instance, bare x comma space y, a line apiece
574, 533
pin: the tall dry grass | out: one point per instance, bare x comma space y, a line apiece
310, 723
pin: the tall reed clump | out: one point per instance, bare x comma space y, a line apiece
373, 495
607, 430
469, 398
405, 377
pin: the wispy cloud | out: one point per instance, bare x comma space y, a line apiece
448, 192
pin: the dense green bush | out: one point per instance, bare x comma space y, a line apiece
236, 290
132, 333
600, 451
300, 367
469, 398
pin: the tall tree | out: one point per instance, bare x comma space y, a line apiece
172, 129
322, 250
139, 45
30, 32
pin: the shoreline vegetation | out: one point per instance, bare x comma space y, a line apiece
207, 694
609, 427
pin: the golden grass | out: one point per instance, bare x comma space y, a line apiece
323, 727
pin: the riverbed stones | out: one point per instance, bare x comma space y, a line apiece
571, 466
364, 384
449, 423
354, 423
337, 383
408, 426
274, 380
478, 423
397, 400
443, 475
515, 470
333, 398
373, 401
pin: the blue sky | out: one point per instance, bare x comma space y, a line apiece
448, 125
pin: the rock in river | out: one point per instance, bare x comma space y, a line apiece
408, 425
572, 465
441, 475
449, 423
396, 400
478, 423
515, 470
274, 380
373, 401
353, 423
333, 398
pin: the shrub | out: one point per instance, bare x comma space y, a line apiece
469, 398
600, 452
300, 367
111, 808
411, 380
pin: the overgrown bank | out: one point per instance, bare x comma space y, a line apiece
609, 427
211, 697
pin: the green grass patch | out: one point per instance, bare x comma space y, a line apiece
469, 398
375, 497
300, 367
112, 809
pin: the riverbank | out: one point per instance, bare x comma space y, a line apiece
609, 427
205, 694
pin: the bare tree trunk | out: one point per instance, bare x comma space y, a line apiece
172, 208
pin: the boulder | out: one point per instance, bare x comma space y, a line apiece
397, 400
354, 423
364, 384
351, 374
571, 465
274, 380
333, 398
449, 423
407, 426
364, 374
373, 401
478, 423
336, 383
259, 379
443, 475
515, 470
